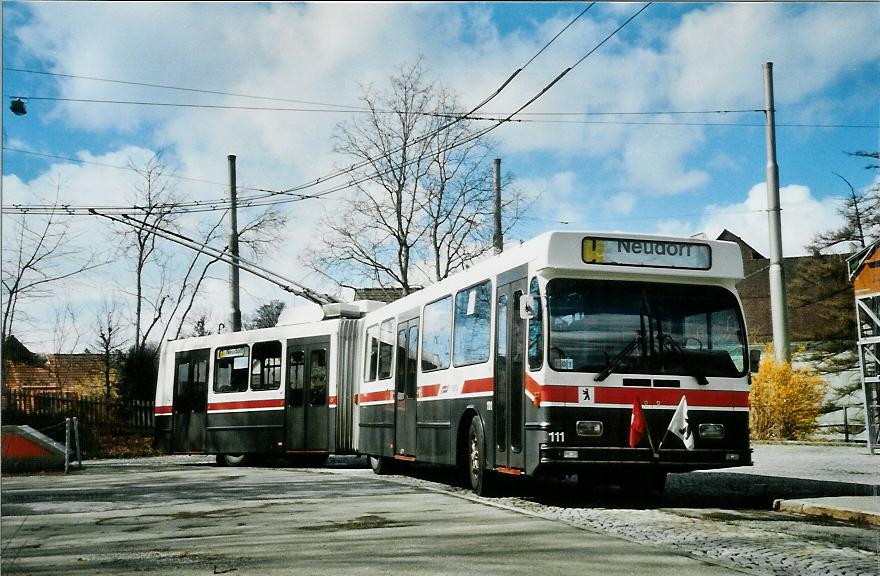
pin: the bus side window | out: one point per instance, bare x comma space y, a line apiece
437, 335
371, 355
386, 348
231, 369
266, 366
536, 327
472, 327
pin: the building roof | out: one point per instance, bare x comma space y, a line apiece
81, 374
748, 253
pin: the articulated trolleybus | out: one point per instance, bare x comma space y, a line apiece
602, 355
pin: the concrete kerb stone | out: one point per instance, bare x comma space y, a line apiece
860, 509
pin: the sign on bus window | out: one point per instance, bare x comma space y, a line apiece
646, 252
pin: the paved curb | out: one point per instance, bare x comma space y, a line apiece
826, 507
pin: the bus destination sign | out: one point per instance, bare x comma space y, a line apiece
643, 252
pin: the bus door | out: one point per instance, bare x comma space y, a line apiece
190, 401
306, 420
405, 386
509, 375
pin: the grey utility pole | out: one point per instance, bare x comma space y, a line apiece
498, 237
778, 303
235, 319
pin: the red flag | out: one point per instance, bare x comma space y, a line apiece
638, 427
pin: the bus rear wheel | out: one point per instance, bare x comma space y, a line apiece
232, 460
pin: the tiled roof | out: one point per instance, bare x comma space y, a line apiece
81, 374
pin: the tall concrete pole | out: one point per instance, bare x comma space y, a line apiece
778, 303
498, 236
235, 318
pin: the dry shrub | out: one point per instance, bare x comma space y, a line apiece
111, 446
785, 401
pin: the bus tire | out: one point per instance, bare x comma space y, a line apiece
480, 478
381, 465
232, 460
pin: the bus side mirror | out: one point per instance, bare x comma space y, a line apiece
526, 308
754, 360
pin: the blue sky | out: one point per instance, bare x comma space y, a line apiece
653, 173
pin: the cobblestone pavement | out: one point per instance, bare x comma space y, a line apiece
752, 541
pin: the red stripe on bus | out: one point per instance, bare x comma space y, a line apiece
534, 390
429, 391
673, 397
559, 394
478, 385
245, 404
162, 410
374, 396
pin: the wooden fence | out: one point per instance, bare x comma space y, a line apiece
96, 415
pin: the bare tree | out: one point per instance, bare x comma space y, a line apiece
38, 253
200, 326
156, 199
422, 205
257, 237
109, 340
161, 294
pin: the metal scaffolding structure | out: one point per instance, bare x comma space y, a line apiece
864, 271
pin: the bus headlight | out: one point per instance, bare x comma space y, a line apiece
589, 428
712, 431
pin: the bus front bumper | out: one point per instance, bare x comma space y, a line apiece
573, 457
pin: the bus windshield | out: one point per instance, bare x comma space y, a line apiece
606, 326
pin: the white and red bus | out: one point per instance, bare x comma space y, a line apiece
274, 391
540, 360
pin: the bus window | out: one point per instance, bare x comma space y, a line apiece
318, 378
295, 368
472, 310
201, 372
644, 327
371, 357
231, 369
182, 379
266, 366
386, 348
536, 328
437, 335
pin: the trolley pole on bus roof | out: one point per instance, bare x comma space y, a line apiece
498, 237
235, 319
778, 303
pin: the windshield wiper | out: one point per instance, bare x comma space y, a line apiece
664, 338
621, 356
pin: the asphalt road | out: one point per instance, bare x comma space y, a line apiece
183, 515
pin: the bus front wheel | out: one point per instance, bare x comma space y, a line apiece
381, 465
476, 461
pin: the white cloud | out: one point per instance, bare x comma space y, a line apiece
555, 197
720, 50
803, 216
710, 57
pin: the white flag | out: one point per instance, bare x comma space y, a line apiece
679, 425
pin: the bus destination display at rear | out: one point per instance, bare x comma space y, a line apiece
646, 252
